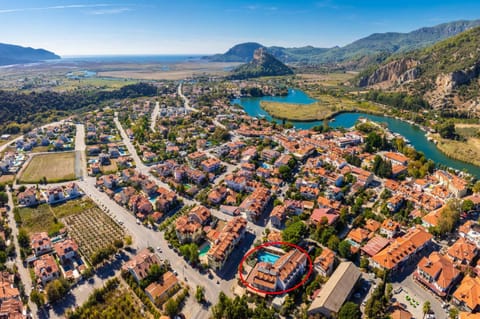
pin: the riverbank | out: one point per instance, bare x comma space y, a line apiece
467, 151
326, 107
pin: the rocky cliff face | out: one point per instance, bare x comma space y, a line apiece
396, 72
262, 64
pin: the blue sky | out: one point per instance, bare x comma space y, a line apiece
211, 26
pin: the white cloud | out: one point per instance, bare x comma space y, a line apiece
109, 11
61, 7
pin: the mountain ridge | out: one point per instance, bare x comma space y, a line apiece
446, 74
15, 54
365, 51
262, 64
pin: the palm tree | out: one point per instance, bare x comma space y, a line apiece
426, 307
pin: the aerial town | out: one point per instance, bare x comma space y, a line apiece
182, 204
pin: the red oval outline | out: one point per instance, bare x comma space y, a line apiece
271, 243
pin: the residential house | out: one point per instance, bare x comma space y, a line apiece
141, 263
278, 215
325, 262
161, 290
358, 236
28, 197
55, 194
438, 273
254, 205
402, 248
389, 228
324, 215
7, 289
66, 250
466, 295
188, 230
40, 243
229, 237
46, 269
72, 190
211, 164
200, 214
462, 252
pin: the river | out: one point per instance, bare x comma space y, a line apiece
414, 134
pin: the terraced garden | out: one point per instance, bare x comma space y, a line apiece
93, 230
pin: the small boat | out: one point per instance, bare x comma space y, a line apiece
261, 115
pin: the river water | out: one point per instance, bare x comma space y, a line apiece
413, 133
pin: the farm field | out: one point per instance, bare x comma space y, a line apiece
55, 167
47, 218
93, 230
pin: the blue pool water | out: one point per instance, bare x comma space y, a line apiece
265, 256
204, 250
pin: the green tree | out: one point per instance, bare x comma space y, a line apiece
200, 294
3, 198
349, 310
344, 249
171, 307
476, 187
23, 239
426, 307
449, 216
467, 205
57, 289
37, 298
294, 232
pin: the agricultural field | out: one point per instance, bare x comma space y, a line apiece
47, 218
55, 167
116, 302
93, 230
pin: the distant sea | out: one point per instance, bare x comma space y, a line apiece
132, 58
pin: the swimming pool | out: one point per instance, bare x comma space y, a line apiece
268, 257
204, 250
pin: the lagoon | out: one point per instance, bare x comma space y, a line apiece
413, 133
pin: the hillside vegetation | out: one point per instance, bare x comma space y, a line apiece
446, 74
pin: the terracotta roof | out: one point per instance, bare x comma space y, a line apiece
372, 225
358, 235
463, 250
402, 247
440, 268
468, 292
325, 259
375, 245
158, 288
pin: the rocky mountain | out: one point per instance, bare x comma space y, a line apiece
14, 54
262, 64
372, 49
446, 74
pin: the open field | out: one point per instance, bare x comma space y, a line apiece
326, 107
173, 72
329, 79
46, 218
468, 150
38, 219
109, 169
56, 167
119, 303
4, 179
93, 230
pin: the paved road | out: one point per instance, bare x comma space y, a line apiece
186, 102
23, 272
156, 111
80, 156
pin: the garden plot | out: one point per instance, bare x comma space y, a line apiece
93, 230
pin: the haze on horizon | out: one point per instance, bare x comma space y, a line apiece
96, 27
